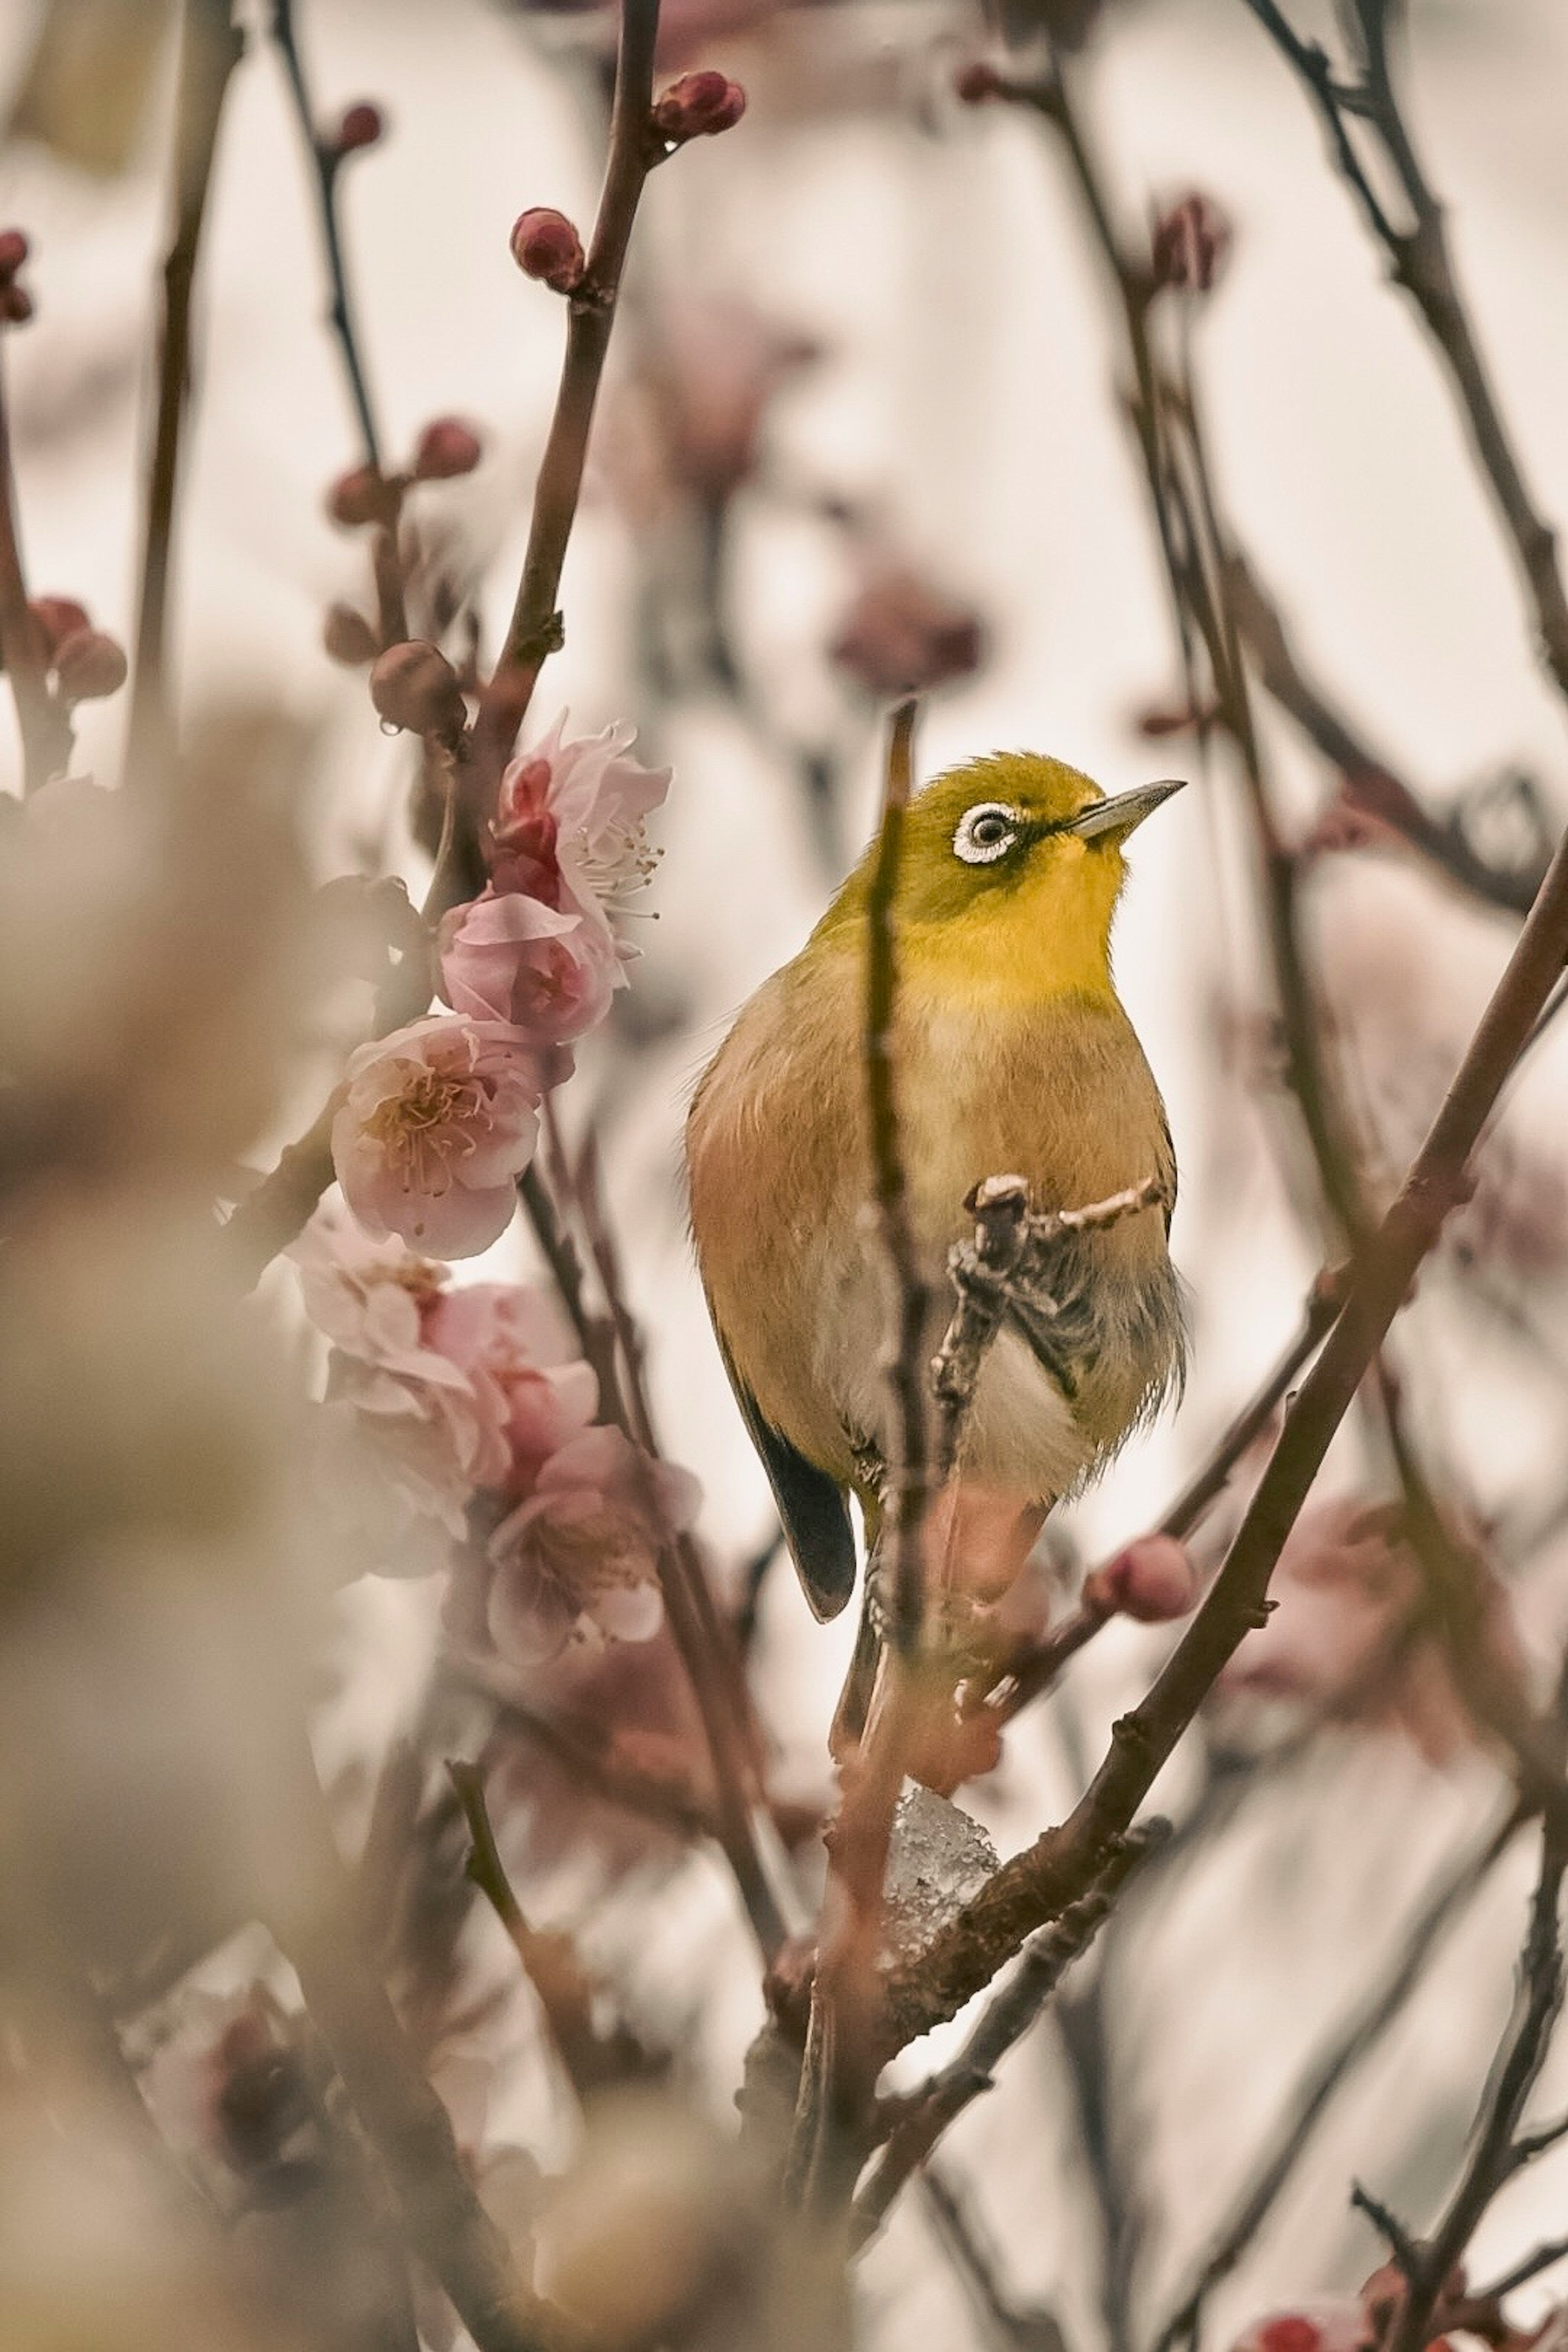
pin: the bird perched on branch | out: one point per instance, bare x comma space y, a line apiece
1012, 1055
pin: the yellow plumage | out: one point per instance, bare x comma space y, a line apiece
1013, 1055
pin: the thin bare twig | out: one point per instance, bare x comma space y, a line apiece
1422, 264
1014, 2328
211, 46
45, 728
535, 630
1032, 1888
927, 2112
1323, 2079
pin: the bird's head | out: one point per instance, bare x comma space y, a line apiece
1009, 875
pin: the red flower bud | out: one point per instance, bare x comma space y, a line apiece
977, 82
347, 637
1153, 1580
415, 686
13, 250
1191, 241
362, 126
357, 497
446, 446
698, 105
89, 665
545, 246
58, 618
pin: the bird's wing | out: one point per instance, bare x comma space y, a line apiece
814, 1513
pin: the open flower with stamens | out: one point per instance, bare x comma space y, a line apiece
439, 1121
579, 1560
571, 824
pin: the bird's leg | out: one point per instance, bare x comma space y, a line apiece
1052, 1302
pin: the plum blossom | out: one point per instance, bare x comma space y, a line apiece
509, 956
570, 825
510, 1343
407, 1434
579, 1559
439, 1121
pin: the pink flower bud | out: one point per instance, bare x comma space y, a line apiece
347, 637
58, 618
13, 250
89, 665
1190, 244
545, 246
357, 497
362, 126
698, 106
447, 447
1153, 1580
415, 686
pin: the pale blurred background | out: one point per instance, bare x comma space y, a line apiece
902, 286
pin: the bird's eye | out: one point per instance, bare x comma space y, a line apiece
985, 833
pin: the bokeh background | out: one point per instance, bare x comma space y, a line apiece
866, 368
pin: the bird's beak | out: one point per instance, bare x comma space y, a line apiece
1118, 816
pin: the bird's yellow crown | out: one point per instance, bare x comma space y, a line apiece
1008, 879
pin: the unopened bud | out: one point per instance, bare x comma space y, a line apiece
58, 618
89, 665
977, 82
447, 447
1190, 244
16, 304
1153, 1580
13, 250
698, 105
347, 637
362, 126
415, 686
545, 246
357, 497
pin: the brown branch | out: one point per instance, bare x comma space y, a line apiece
1324, 2078
1034, 1887
1371, 785
927, 2112
1519, 2060
401, 2114
211, 46
535, 631
590, 2060
44, 726
1422, 264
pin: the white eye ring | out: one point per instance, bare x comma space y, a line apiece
986, 833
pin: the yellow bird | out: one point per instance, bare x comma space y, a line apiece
1013, 1055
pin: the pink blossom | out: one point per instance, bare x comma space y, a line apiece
571, 814
511, 1342
439, 1120
508, 956
1331, 2326
579, 1560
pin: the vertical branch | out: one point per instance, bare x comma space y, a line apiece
44, 730
326, 163
907, 1472
210, 48
535, 630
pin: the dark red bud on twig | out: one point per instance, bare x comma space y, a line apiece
89, 664
347, 637
58, 618
415, 686
362, 126
1191, 241
13, 250
447, 447
698, 106
1152, 1580
977, 82
16, 305
357, 497
545, 246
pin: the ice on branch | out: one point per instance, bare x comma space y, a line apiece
439, 1120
